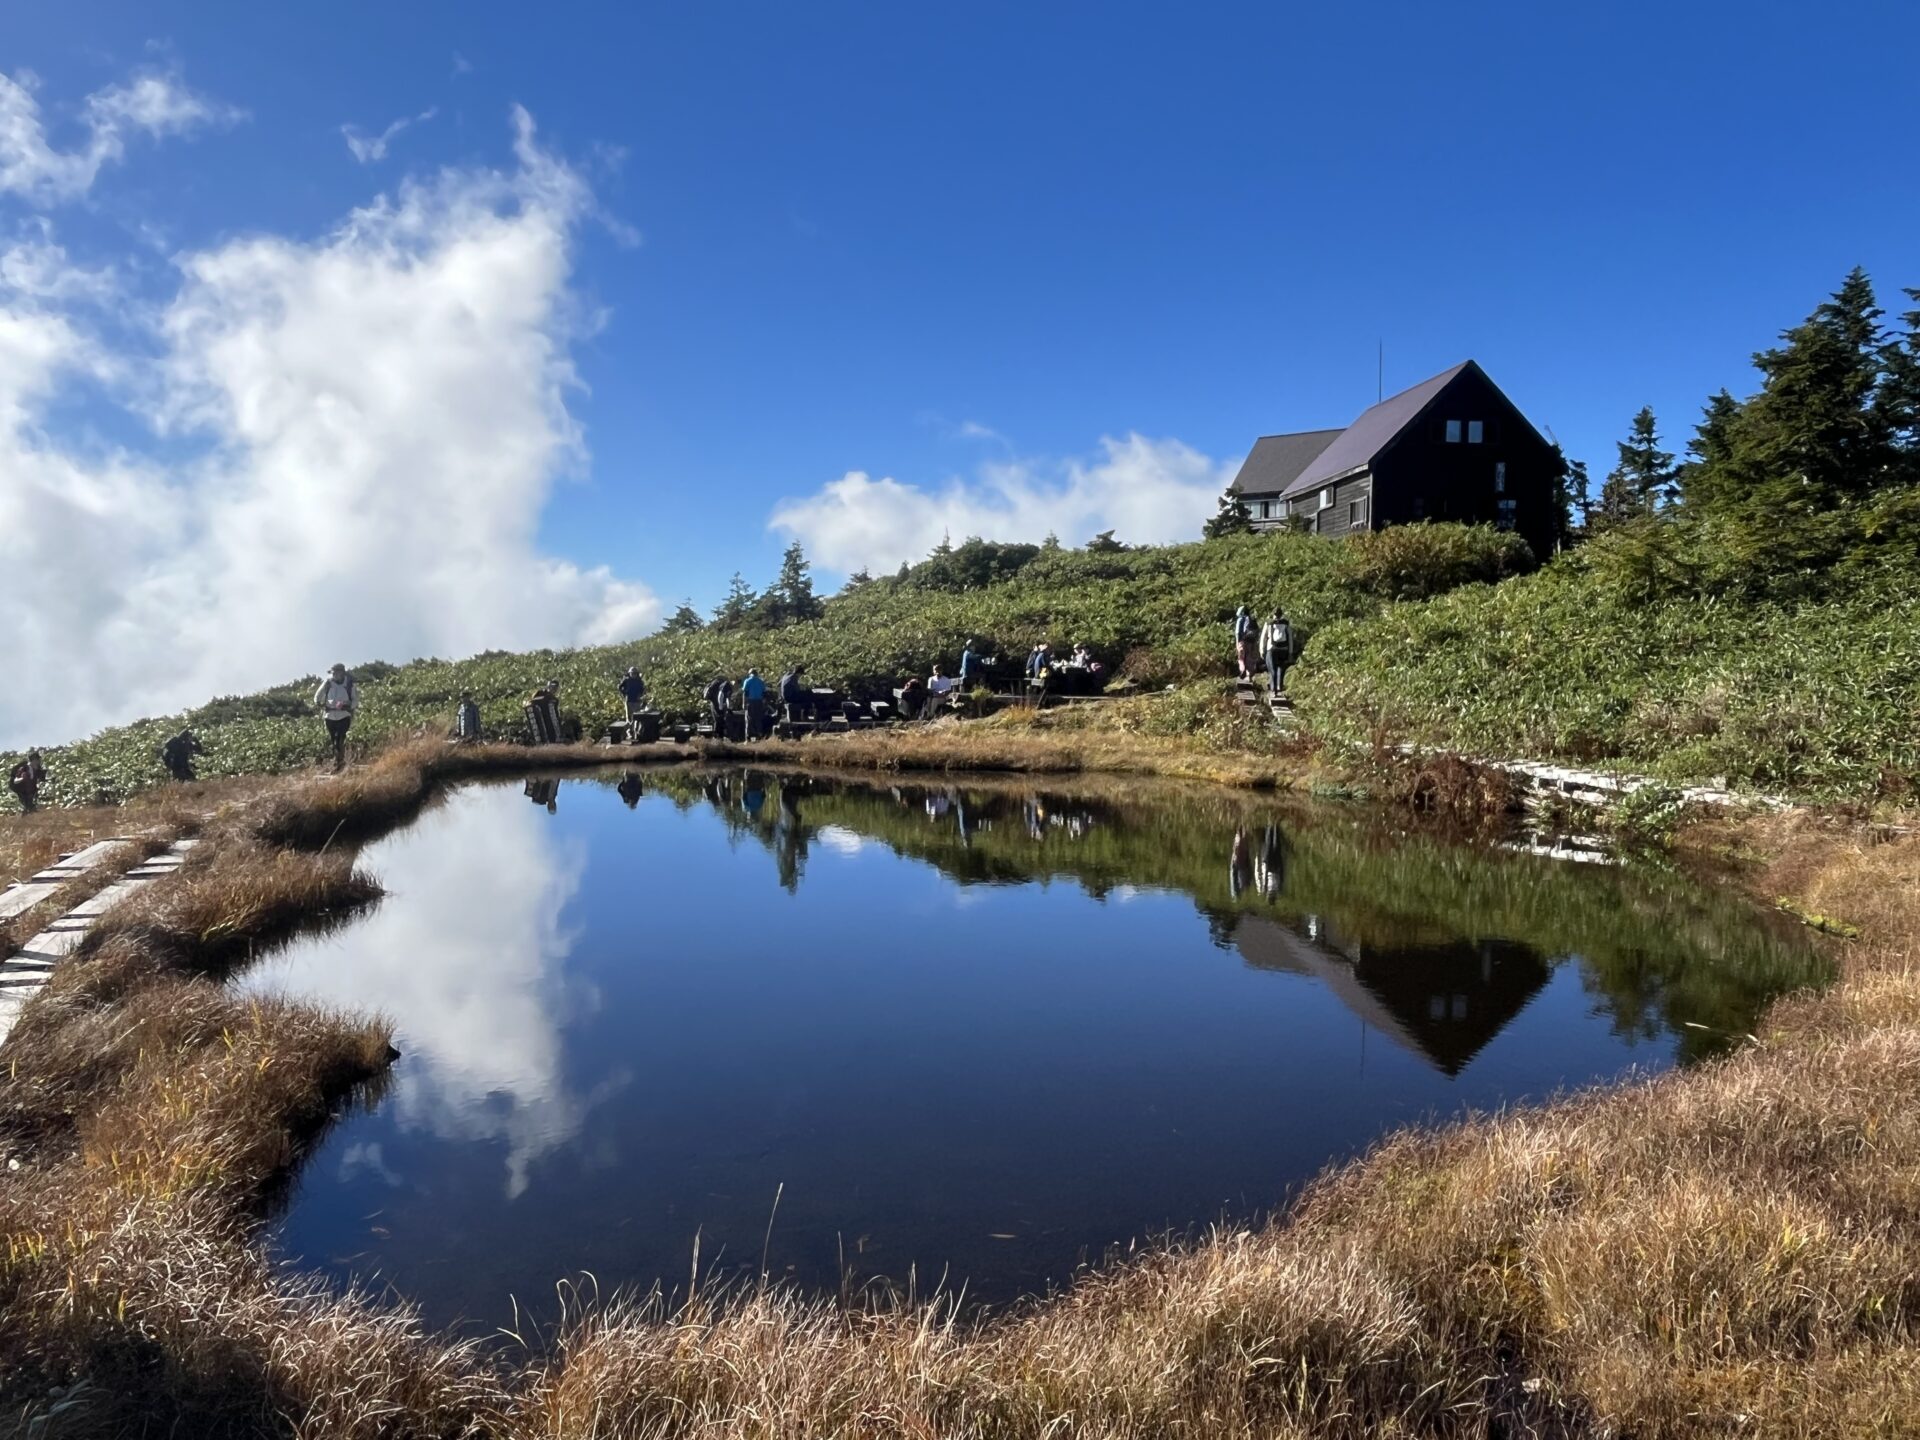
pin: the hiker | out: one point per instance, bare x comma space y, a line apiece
719, 697
973, 667
1039, 671
753, 691
177, 754
337, 699
794, 695
633, 690
913, 698
1245, 633
466, 720
1276, 647
940, 686
25, 780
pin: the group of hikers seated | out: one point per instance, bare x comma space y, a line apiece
1078, 674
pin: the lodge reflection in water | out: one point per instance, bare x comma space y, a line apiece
1301, 907
982, 1029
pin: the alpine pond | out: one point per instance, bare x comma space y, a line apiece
966, 1035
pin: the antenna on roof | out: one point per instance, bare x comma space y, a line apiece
1380, 375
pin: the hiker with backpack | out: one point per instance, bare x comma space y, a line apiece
25, 780
633, 690
177, 754
1245, 632
719, 697
794, 695
337, 699
1276, 646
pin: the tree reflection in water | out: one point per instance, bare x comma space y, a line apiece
1435, 943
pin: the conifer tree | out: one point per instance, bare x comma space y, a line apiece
1811, 440
684, 619
792, 593
1232, 518
736, 612
1640, 481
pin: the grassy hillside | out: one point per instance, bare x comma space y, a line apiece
1434, 634
1816, 694
1157, 614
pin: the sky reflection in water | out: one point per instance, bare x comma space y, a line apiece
978, 1032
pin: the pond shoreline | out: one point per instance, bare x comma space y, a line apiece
1484, 1275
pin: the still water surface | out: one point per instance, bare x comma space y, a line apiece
980, 1033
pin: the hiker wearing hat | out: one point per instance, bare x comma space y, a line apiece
337, 699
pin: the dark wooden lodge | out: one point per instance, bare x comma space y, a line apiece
1451, 448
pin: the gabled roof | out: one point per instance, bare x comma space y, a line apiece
1276, 461
1377, 427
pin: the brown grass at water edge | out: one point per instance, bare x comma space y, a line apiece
1023, 743
1726, 1251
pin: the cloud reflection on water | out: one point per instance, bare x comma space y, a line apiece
469, 959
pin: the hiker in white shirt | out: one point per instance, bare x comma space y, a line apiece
336, 700
939, 686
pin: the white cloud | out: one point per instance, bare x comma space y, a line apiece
155, 103
369, 148
372, 422
1148, 491
34, 268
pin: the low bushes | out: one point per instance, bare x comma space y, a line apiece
1806, 695
1163, 611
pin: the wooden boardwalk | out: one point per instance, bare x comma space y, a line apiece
25, 972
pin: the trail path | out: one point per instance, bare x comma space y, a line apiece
23, 973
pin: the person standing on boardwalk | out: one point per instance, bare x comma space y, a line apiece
1245, 632
719, 695
337, 699
1276, 647
634, 692
794, 695
753, 690
973, 667
177, 754
25, 780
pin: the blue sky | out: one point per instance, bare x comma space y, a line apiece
955, 248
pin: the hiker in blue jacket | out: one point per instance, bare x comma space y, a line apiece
753, 690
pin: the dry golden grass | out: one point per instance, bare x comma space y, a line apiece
1066, 741
1728, 1251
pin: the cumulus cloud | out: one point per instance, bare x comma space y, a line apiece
369, 148
355, 436
1148, 491
155, 104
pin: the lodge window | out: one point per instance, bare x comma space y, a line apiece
1326, 498
1453, 432
1476, 432
1508, 519
1500, 477
1353, 514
